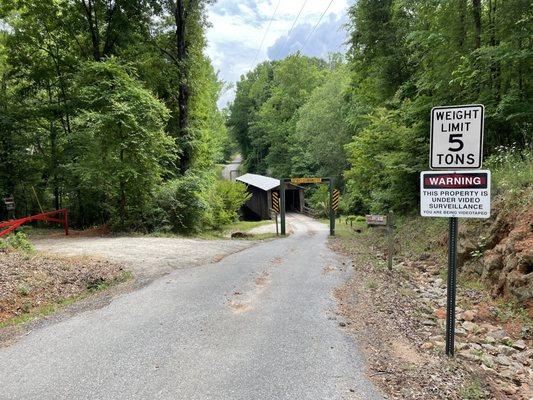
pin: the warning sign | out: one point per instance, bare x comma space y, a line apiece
275, 202
336, 199
299, 181
455, 194
457, 137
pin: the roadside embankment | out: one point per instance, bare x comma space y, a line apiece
399, 315
34, 284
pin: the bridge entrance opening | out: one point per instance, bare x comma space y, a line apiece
290, 203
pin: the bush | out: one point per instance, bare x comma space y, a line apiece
17, 241
196, 202
179, 205
319, 201
225, 201
511, 167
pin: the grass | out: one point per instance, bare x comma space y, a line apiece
52, 308
474, 391
239, 226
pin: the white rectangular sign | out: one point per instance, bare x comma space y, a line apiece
457, 137
455, 194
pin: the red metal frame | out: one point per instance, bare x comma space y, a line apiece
59, 216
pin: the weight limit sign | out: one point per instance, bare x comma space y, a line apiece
457, 137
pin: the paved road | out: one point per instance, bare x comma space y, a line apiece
260, 324
233, 166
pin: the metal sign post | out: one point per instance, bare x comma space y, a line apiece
331, 210
456, 144
451, 288
282, 192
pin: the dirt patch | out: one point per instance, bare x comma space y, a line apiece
262, 281
146, 257
327, 269
31, 282
240, 308
276, 261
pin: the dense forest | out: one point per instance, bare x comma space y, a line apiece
108, 108
363, 118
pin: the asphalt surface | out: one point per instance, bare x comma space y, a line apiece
260, 324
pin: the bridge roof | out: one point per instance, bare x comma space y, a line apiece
262, 182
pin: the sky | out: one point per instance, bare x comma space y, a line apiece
239, 26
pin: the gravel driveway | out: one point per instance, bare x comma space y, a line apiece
145, 257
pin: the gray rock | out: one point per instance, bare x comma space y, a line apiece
470, 326
520, 345
467, 356
503, 360
498, 335
506, 350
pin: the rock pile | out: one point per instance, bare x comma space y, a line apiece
480, 339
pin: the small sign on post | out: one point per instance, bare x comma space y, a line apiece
9, 203
299, 181
376, 220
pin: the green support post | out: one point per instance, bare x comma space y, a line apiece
451, 288
282, 206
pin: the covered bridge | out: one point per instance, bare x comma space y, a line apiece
261, 188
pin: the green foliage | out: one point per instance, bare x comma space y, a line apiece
119, 141
511, 168
226, 198
319, 201
196, 202
179, 204
391, 150
17, 241
90, 106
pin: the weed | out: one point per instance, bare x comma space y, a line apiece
371, 285
473, 391
48, 309
23, 290
18, 241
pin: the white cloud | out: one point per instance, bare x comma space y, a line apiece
238, 26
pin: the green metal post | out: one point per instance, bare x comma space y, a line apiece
452, 277
331, 211
282, 206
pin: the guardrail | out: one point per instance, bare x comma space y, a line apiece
59, 216
309, 212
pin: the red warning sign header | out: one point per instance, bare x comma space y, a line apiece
458, 180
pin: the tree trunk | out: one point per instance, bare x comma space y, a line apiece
93, 27
477, 22
180, 16
462, 23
